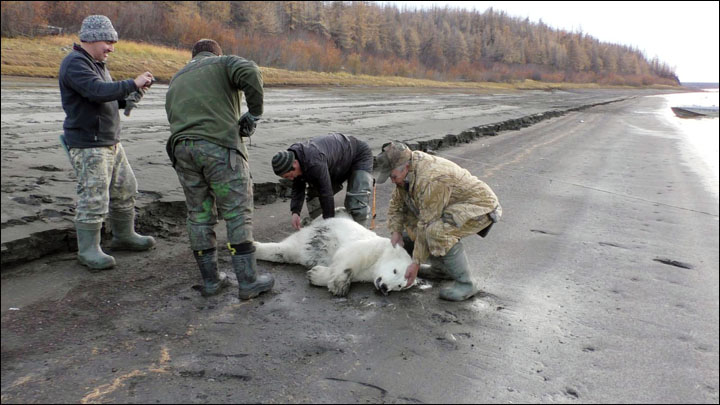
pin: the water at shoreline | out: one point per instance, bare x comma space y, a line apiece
700, 134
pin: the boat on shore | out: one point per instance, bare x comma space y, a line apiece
695, 111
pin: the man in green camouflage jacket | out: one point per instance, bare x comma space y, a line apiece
209, 155
437, 203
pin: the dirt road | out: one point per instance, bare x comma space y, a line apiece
600, 284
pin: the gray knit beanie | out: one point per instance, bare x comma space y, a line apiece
97, 28
282, 162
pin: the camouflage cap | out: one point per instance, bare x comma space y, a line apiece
392, 156
97, 28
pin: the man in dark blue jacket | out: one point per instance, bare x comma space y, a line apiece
106, 182
324, 163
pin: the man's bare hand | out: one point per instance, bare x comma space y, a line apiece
411, 273
396, 238
144, 80
296, 222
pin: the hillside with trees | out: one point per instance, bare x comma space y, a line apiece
360, 37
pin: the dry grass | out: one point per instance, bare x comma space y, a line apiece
41, 57
281, 77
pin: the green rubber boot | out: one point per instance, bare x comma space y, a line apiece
455, 263
89, 252
213, 281
250, 285
433, 271
358, 196
122, 224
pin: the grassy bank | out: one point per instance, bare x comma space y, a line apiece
41, 57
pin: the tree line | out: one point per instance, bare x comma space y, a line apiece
361, 37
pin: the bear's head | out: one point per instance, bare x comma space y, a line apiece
390, 272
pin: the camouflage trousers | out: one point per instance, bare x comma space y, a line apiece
216, 180
438, 237
106, 182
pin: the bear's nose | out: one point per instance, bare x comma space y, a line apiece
381, 286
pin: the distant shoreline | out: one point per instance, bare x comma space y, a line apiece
700, 85
362, 81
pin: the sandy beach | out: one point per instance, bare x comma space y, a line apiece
598, 285
38, 185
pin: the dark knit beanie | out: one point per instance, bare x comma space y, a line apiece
97, 28
282, 162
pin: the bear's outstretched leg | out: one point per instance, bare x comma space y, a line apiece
271, 252
281, 252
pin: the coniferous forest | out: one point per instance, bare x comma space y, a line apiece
360, 37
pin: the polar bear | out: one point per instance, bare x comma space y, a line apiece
339, 251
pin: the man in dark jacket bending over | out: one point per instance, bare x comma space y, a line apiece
323, 164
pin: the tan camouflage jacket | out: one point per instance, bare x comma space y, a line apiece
438, 193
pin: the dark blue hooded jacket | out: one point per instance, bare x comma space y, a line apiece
91, 101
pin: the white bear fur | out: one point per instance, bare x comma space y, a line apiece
339, 251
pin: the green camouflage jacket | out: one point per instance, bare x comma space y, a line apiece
203, 101
437, 189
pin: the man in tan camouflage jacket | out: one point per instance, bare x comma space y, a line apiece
437, 203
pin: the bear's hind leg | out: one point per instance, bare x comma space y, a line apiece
271, 252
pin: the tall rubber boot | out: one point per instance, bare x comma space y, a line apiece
213, 281
455, 263
434, 271
357, 198
122, 224
89, 252
250, 285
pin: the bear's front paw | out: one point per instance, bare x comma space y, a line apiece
340, 285
319, 276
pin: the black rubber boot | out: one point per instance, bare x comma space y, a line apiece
89, 252
455, 263
213, 281
250, 284
122, 224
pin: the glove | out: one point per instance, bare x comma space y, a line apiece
134, 98
247, 124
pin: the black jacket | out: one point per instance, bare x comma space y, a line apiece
91, 101
325, 161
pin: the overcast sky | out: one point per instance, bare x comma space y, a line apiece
682, 34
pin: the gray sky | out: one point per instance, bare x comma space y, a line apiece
683, 34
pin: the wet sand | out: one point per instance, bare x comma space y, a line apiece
599, 285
